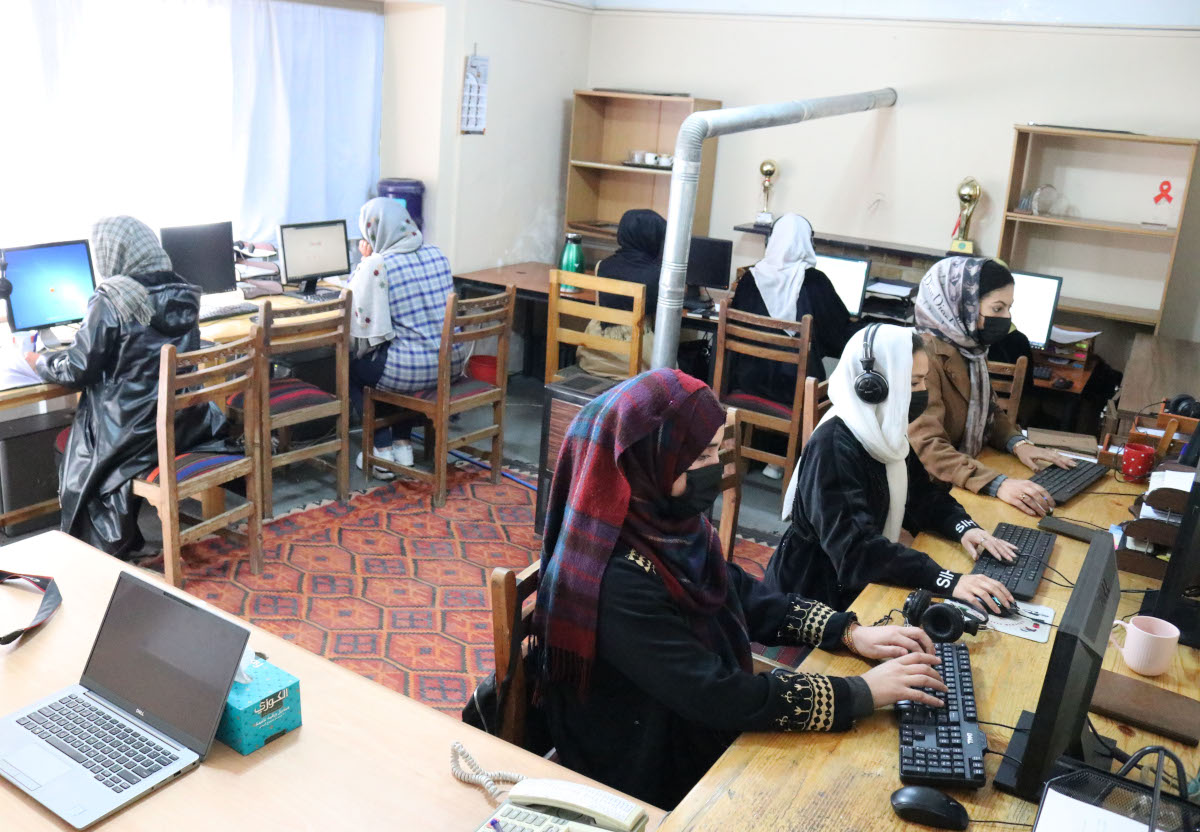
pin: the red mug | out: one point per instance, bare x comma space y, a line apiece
1137, 461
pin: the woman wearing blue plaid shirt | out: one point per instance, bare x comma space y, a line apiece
400, 290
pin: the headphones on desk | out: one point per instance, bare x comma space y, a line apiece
943, 623
1184, 405
870, 386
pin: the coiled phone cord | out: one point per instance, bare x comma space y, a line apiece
477, 776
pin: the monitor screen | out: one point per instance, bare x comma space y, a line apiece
849, 278
314, 249
1035, 297
203, 255
709, 262
1178, 600
51, 284
166, 660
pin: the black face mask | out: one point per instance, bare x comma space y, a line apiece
994, 329
703, 488
917, 404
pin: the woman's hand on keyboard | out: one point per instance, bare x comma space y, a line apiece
890, 642
1037, 458
977, 541
1026, 495
904, 678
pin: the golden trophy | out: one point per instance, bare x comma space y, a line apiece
768, 169
968, 197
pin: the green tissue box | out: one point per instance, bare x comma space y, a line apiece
261, 710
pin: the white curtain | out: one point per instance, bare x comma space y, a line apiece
185, 111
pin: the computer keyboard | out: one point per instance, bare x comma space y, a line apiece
1023, 575
944, 747
321, 295
212, 313
1042, 372
1065, 483
117, 754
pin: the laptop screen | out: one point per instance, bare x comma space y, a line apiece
165, 660
849, 278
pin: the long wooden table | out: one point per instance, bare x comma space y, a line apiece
366, 757
843, 781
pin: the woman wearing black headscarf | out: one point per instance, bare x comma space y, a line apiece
643, 629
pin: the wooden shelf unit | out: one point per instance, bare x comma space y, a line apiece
605, 128
1117, 268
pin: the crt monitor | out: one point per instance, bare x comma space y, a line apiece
51, 284
1059, 726
709, 262
849, 278
202, 255
310, 251
1178, 600
1035, 297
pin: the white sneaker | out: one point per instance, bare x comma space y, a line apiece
376, 471
402, 453
773, 472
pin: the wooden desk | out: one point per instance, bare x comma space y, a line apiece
225, 330
531, 280
366, 757
844, 781
1159, 368
1078, 376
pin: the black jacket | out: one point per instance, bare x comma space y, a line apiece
661, 706
835, 546
114, 363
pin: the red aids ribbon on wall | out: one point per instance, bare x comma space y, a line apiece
1164, 191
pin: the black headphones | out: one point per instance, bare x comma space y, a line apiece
1184, 405
870, 386
943, 623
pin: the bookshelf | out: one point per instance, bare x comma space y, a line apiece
1108, 238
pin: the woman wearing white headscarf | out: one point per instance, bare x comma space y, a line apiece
399, 290
786, 284
856, 487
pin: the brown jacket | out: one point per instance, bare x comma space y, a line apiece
937, 432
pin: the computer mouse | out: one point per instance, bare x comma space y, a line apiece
1005, 612
1062, 383
927, 805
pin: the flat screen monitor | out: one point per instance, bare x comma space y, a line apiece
312, 250
849, 278
1035, 297
51, 284
709, 262
203, 255
1178, 600
1059, 726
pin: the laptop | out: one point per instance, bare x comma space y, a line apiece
144, 712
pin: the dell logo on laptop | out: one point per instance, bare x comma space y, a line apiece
139, 712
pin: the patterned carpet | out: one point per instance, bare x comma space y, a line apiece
389, 586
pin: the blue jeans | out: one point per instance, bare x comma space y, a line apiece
366, 372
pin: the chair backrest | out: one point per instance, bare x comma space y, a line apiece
469, 320
1008, 383
202, 376
759, 336
560, 306
816, 403
313, 325
730, 456
510, 590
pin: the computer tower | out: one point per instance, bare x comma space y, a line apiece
28, 468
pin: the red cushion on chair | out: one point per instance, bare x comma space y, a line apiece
757, 404
288, 394
193, 464
460, 389
60, 441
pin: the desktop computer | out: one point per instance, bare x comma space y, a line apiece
709, 264
1035, 298
849, 278
1178, 599
202, 255
312, 250
1055, 738
50, 284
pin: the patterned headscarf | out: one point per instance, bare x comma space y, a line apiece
947, 308
620, 457
386, 225
125, 247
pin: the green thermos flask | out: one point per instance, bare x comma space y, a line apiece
571, 259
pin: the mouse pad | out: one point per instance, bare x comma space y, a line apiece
1031, 622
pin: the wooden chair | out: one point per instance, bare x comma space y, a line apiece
196, 378
510, 590
466, 321
731, 482
287, 402
759, 336
1008, 383
557, 335
816, 402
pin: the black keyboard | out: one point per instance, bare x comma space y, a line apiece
1041, 372
1065, 483
1023, 575
321, 295
213, 313
116, 753
943, 747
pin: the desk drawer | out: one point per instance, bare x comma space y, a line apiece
561, 414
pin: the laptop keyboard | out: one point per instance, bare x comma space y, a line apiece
116, 754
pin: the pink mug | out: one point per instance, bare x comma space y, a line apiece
1149, 644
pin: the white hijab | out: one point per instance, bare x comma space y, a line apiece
387, 226
881, 428
780, 274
